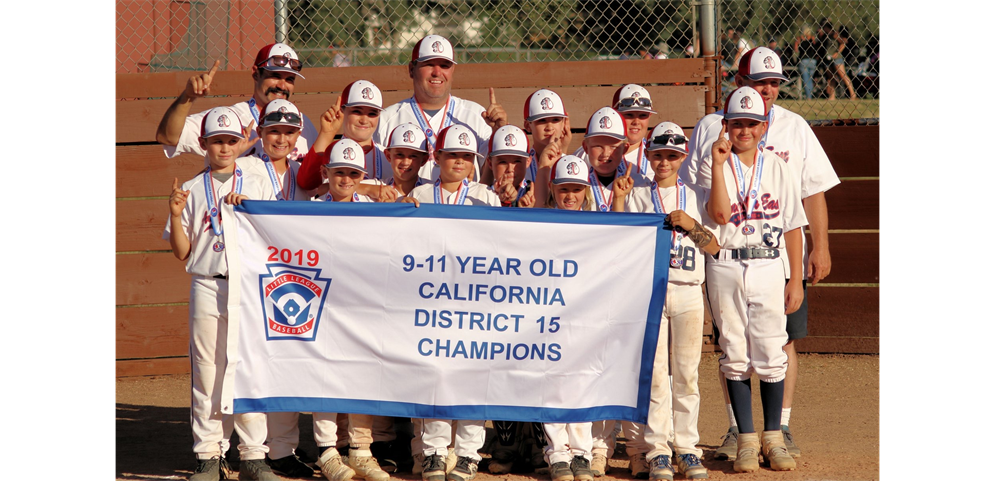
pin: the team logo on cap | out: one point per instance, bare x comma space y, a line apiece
746, 102
223, 121
510, 140
367, 93
348, 154
408, 136
605, 122
464, 139
292, 299
282, 109
635, 95
668, 131
546, 103
286, 54
573, 168
437, 47
768, 62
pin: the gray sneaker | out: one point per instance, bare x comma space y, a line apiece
561, 472
465, 470
207, 470
581, 468
789, 442
729, 447
433, 468
690, 466
255, 470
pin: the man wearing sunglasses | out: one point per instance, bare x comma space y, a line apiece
790, 137
274, 73
432, 107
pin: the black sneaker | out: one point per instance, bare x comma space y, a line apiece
291, 466
383, 451
465, 470
581, 468
207, 470
255, 470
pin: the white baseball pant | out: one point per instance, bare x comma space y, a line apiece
604, 437
567, 440
437, 435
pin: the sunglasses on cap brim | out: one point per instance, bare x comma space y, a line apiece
281, 61
636, 102
669, 139
278, 117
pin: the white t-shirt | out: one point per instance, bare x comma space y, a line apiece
207, 251
476, 194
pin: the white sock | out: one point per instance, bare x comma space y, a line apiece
732, 417
785, 416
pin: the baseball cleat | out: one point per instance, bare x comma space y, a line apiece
775, 455
581, 469
747, 456
638, 466
207, 470
729, 446
256, 470
690, 466
561, 472
660, 468
789, 442
599, 465
291, 467
465, 469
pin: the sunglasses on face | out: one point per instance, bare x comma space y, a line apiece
674, 139
277, 117
635, 102
281, 61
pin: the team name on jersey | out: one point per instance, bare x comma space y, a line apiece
764, 208
783, 155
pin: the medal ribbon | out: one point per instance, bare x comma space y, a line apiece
328, 197
644, 162
425, 123
770, 123
461, 191
748, 195
377, 163
274, 178
533, 166
212, 206
599, 196
682, 197
254, 110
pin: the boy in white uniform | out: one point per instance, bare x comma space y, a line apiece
406, 152
755, 208
548, 122
196, 234
634, 104
455, 153
683, 311
507, 159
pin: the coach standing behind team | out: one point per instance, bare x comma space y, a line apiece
790, 137
432, 70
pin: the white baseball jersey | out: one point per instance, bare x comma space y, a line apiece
247, 112
390, 182
638, 180
690, 269
284, 187
789, 136
355, 198
476, 194
639, 159
457, 111
207, 250
776, 209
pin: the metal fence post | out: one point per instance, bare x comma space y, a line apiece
707, 18
280, 19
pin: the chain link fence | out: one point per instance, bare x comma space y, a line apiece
164, 35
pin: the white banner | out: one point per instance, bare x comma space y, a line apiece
444, 312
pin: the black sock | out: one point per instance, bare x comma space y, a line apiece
322, 449
772, 398
740, 395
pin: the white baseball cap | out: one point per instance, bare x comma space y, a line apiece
668, 136
279, 57
509, 140
761, 63
347, 153
606, 121
570, 169
632, 98
433, 46
221, 121
541, 104
281, 112
364, 93
408, 136
457, 138
745, 103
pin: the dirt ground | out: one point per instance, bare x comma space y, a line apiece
834, 419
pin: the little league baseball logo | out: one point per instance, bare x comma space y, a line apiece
408, 137
367, 93
437, 47
546, 103
348, 154
282, 110
605, 123
292, 299
223, 121
746, 103
572, 168
768, 62
635, 95
510, 141
464, 139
